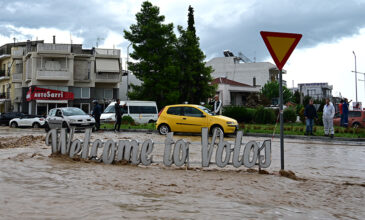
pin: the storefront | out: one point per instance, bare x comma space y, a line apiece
41, 100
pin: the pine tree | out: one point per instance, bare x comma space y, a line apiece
154, 45
195, 76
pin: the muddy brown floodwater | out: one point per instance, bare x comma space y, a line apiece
33, 185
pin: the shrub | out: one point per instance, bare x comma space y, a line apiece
240, 113
301, 115
128, 120
289, 115
319, 120
264, 116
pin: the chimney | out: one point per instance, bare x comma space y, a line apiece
54, 39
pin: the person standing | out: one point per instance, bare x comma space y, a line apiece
217, 104
345, 112
96, 114
118, 116
328, 114
310, 113
340, 107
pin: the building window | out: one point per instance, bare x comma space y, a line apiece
254, 81
108, 93
81, 92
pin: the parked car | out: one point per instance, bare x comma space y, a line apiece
34, 121
355, 118
6, 117
68, 117
192, 118
142, 112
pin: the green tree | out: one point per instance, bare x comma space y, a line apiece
154, 50
195, 81
271, 90
296, 97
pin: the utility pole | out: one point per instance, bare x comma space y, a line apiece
355, 76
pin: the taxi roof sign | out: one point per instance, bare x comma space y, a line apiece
280, 45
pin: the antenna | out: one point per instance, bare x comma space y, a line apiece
98, 39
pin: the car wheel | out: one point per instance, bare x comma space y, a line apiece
356, 125
36, 125
219, 128
46, 127
164, 129
14, 124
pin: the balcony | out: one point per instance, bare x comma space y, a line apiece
17, 77
3, 75
107, 78
107, 52
5, 95
17, 52
54, 48
61, 75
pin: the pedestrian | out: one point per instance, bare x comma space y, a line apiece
217, 104
96, 114
340, 108
118, 115
328, 114
310, 113
345, 112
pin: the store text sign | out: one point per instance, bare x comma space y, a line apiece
48, 94
175, 152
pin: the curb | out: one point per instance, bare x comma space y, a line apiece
315, 138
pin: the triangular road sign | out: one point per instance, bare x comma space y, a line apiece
280, 45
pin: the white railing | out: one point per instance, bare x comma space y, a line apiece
110, 52
17, 77
54, 48
53, 75
17, 51
108, 77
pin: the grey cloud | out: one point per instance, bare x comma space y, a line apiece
318, 21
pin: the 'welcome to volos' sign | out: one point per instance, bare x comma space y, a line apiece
176, 152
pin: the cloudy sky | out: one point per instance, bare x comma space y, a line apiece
332, 30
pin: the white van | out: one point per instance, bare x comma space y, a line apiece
142, 112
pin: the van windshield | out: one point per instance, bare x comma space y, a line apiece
110, 109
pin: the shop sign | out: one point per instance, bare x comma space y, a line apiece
175, 152
48, 94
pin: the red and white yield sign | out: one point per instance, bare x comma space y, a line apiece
280, 45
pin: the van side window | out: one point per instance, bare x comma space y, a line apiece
142, 110
175, 111
52, 112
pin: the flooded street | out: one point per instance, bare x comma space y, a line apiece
33, 185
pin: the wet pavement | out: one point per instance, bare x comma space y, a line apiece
33, 185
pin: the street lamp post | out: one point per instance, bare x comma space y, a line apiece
127, 70
355, 75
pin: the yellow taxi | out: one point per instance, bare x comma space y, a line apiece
192, 118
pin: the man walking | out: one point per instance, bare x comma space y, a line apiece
345, 112
96, 114
217, 104
328, 114
310, 113
118, 116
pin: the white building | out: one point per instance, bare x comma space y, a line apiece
316, 90
236, 80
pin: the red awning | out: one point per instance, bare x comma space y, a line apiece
48, 94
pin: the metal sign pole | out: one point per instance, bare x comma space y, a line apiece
281, 119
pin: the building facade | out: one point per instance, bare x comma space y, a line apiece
48, 75
237, 80
316, 90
